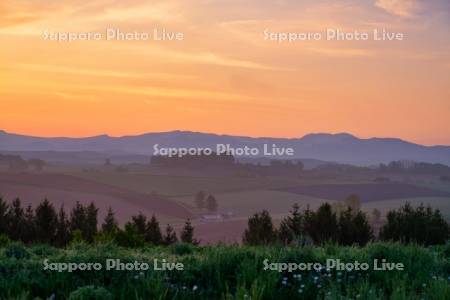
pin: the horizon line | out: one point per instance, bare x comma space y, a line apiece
221, 134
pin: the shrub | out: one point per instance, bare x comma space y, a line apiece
181, 249
16, 250
4, 240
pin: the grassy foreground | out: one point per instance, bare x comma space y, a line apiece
225, 272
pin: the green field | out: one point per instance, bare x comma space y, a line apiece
224, 272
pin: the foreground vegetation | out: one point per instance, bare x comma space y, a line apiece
224, 272
33, 239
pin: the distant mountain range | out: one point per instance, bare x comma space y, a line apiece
342, 147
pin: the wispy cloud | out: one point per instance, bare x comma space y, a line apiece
97, 72
342, 52
404, 8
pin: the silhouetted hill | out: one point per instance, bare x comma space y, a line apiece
342, 147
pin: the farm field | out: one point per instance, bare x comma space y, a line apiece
171, 185
66, 190
243, 204
367, 192
172, 198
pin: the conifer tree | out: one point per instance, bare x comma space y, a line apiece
16, 220
140, 223
323, 225
46, 221
170, 237
153, 232
78, 218
62, 229
291, 227
91, 223
110, 225
187, 235
4, 217
260, 230
30, 226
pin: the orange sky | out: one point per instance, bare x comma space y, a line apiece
224, 77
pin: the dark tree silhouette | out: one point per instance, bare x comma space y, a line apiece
153, 232
140, 223
91, 223
62, 229
29, 235
129, 237
291, 227
187, 235
78, 218
46, 221
110, 225
354, 228
4, 217
322, 225
260, 230
16, 218
420, 225
171, 236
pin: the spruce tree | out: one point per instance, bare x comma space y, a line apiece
170, 237
260, 230
78, 218
187, 235
62, 229
291, 227
16, 218
153, 232
30, 226
4, 217
46, 221
325, 226
91, 223
140, 223
110, 225
362, 231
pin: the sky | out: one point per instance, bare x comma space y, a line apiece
224, 76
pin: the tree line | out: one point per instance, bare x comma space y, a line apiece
17, 163
209, 203
345, 226
350, 226
46, 225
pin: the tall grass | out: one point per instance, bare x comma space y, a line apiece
225, 272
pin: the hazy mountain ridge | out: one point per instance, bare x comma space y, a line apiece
342, 147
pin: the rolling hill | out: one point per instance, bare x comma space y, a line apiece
342, 148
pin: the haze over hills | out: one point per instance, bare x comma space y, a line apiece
342, 147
